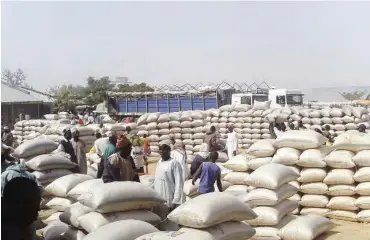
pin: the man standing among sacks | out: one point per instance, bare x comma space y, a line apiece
80, 151
209, 173
211, 140
7, 137
232, 143
178, 154
168, 181
67, 147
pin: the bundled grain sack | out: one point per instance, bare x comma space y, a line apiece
362, 175
341, 190
286, 156
238, 163
210, 209
72, 213
314, 157
340, 159
339, 176
272, 232
60, 204
306, 228
84, 187
362, 158
262, 148
309, 175
50, 161
61, 186
346, 203
120, 196
342, 215
122, 230
258, 162
300, 140
314, 201
352, 141
34, 147
48, 176
271, 176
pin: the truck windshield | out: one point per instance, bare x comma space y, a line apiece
294, 99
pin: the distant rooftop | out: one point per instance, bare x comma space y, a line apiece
15, 95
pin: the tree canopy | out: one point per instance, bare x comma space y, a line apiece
14, 79
351, 96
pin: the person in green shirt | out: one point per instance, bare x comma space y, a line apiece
109, 150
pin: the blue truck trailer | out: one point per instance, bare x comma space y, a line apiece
136, 103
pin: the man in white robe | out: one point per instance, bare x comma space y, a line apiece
232, 143
168, 182
178, 154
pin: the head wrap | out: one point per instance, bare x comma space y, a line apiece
166, 142
75, 132
122, 142
203, 150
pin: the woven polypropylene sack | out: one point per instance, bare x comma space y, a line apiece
309, 175
271, 176
267, 197
120, 196
50, 161
342, 215
314, 188
340, 159
300, 139
122, 230
363, 188
92, 221
35, 147
262, 148
61, 186
236, 177
362, 158
363, 202
339, 176
272, 232
84, 187
346, 203
286, 156
306, 228
238, 163
72, 213
315, 201
258, 162
209, 209
352, 141
261, 105
271, 215
60, 204
48, 176
314, 211
362, 175
363, 216
341, 190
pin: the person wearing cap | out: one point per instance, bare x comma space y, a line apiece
178, 154
362, 128
66, 146
80, 151
7, 136
168, 181
120, 166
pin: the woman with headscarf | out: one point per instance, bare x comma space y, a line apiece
120, 166
138, 153
168, 181
200, 158
80, 151
178, 154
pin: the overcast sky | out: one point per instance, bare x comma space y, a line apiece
286, 44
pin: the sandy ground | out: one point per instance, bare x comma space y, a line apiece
343, 231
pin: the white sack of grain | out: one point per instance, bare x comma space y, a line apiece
315, 201
48, 176
84, 187
50, 161
61, 186
261, 196
261, 105
309, 175
286, 156
120, 196
151, 126
362, 158
363, 188
236, 177
314, 188
314, 157
152, 117
271, 176
53, 217
72, 213
72, 234
222, 157
237, 190
122, 230
210, 209
238, 163
314, 211
271, 215
363, 202
92, 221
300, 140
340, 159
346, 203
272, 232
306, 228
363, 216
142, 119
341, 190
163, 118
258, 162
34, 147
60, 204
359, 111
352, 141
339, 176
362, 175
262, 148
342, 215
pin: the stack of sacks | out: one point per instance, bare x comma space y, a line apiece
118, 128
351, 152
339, 119
93, 161
261, 152
270, 199
59, 189
216, 216
111, 202
28, 129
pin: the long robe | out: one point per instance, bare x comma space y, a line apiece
180, 156
169, 182
80, 152
232, 144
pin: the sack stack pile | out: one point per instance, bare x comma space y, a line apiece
210, 216
103, 203
28, 129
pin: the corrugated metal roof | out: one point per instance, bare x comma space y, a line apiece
10, 94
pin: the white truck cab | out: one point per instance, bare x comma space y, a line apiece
278, 97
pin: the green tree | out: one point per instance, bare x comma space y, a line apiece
66, 97
96, 89
14, 79
141, 87
351, 96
